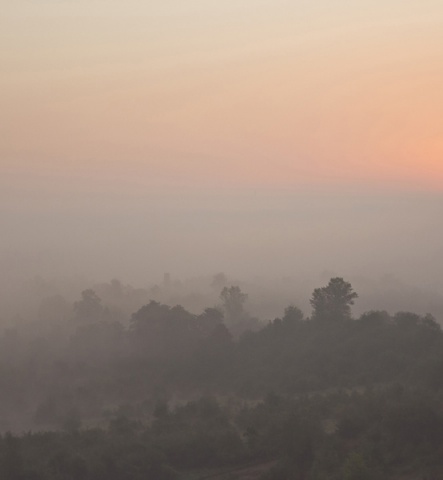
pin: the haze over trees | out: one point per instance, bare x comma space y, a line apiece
172, 394
220, 245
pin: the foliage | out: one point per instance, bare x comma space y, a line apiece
89, 308
334, 301
233, 300
329, 397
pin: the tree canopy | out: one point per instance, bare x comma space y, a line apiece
334, 301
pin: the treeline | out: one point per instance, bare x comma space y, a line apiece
95, 362
395, 432
344, 397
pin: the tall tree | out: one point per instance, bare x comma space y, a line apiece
233, 303
334, 301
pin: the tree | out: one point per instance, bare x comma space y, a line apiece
159, 330
233, 303
293, 315
89, 309
209, 320
334, 301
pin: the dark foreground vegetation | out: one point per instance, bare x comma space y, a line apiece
180, 396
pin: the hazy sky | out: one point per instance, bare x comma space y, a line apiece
248, 135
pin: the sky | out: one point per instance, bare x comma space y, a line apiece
253, 136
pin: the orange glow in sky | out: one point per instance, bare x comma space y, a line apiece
244, 93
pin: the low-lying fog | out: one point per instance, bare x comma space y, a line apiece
277, 245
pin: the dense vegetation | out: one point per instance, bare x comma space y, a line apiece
178, 395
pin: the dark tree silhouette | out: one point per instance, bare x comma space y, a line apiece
159, 330
334, 301
209, 320
292, 316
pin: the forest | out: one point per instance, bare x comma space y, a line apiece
89, 394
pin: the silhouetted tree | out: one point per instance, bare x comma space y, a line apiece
233, 302
209, 320
89, 308
160, 330
220, 336
334, 301
292, 315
